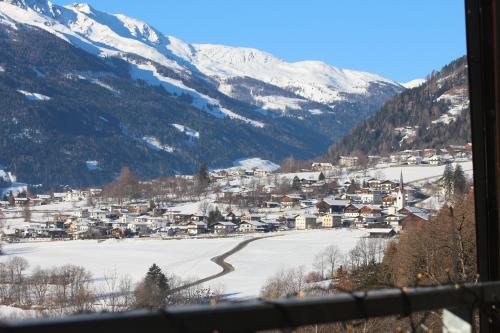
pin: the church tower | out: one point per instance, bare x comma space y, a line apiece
400, 198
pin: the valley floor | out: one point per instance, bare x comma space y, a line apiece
191, 258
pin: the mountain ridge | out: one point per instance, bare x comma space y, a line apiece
120, 85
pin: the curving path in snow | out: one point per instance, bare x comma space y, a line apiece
221, 261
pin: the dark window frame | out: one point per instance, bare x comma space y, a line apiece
483, 47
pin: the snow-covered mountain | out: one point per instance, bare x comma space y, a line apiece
85, 93
434, 114
246, 74
413, 83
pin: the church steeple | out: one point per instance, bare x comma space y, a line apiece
400, 199
401, 182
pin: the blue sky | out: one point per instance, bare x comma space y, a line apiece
399, 39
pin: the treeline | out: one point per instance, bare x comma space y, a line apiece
71, 289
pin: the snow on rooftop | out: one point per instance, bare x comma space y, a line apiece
33, 96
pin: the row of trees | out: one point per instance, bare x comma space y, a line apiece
453, 181
72, 289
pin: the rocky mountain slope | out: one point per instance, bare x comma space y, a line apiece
85, 92
431, 115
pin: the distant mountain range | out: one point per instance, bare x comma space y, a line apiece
85, 93
434, 114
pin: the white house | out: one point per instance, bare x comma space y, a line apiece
196, 228
224, 228
251, 226
305, 221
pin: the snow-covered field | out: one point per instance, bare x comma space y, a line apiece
190, 258
261, 259
187, 258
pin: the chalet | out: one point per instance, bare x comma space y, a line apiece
196, 228
374, 183
271, 204
394, 220
261, 173
370, 211
381, 232
82, 213
222, 228
58, 197
290, 200
414, 160
252, 226
370, 197
352, 211
74, 195
322, 166
328, 205
305, 221
140, 208
387, 186
290, 221
413, 220
21, 201
331, 220
140, 227
429, 152
435, 160
98, 214
348, 161
250, 217
231, 217
388, 200
411, 210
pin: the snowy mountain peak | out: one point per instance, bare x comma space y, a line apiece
251, 75
41, 6
82, 7
413, 83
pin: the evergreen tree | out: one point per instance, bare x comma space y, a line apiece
448, 176
214, 216
202, 177
296, 183
152, 292
12, 200
321, 177
459, 181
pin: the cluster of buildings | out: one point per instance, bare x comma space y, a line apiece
449, 154
383, 206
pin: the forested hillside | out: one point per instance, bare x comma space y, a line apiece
432, 115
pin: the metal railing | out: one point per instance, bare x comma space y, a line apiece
283, 314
